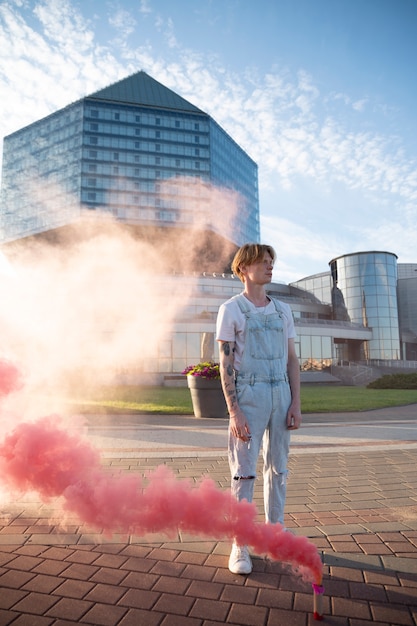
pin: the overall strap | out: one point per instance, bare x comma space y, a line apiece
243, 304
277, 304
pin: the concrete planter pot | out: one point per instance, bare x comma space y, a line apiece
207, 397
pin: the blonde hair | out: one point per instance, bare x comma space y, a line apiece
248, 254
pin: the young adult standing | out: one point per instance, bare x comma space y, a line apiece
261, 382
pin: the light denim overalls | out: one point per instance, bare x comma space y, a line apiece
264, 395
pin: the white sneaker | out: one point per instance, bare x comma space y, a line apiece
239, 560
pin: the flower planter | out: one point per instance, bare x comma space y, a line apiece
207, 397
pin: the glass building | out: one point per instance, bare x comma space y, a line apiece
361, 289
407, 309
364, 290
135, 150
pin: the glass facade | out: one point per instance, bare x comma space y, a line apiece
320, 285
314, 352
232, 168
135, 150
41, 174
364, 291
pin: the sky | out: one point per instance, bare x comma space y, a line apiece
322, 94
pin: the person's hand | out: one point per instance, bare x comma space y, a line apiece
294, 417
239, 426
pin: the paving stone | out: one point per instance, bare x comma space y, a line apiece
6, 617
169, 584
35, 603
73, 588
15, 579
273, 598
109, 575
110, 594
50, 567
104, 615
32, 620
205, 589
10, 597
139, 598
213, 609
398, 564
279, 617
351, 608
141, 578
14, 539
174, 604
247, 615
393, 614
137, 617
42, 583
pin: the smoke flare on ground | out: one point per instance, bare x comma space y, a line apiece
43, 457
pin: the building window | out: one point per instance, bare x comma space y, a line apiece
91, 182
158, 121
158, 147
94, 113
137, 118
137, 145
115, 170
117, 116
197, 151
115, 156
177, 163
92, 154
157, 160
137, 131
91, 196
92, 167
137, 158
158, 134
177, 124
196, 139
93, 141
137, 171
197, 165
157, 174
94, 127
196, 126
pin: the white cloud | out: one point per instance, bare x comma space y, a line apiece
123, 21
298, 247
360, 105
144, 7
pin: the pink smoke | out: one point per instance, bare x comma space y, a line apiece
10, 378
44, 457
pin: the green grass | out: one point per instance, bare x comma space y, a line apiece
177, 400
320, 399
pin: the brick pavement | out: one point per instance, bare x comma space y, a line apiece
358, 508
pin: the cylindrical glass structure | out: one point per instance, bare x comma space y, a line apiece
365, 292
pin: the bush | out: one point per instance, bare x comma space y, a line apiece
395, 381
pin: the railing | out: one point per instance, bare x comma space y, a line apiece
394, 363
301, 321
353, 373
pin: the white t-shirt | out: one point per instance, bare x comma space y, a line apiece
231, 323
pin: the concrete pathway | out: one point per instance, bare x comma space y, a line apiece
352, 491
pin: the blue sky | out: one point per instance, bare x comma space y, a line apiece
321, 93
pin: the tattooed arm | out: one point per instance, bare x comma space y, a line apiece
238, 425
